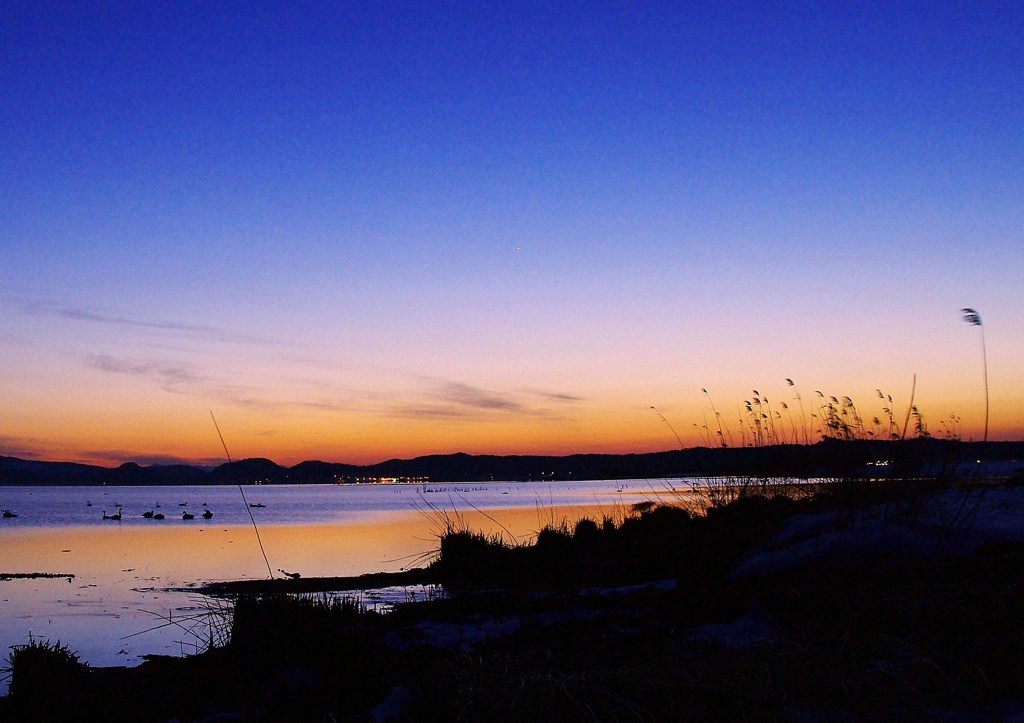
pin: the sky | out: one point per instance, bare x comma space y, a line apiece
355, 231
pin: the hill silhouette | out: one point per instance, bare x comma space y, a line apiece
824, 459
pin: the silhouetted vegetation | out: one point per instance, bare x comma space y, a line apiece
47, 680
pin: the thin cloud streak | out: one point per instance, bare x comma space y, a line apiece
459, 401
117, 457
170, 375
465, 395
21, 447
210, 333
251, 398
559, 397
431, 413
86, 315
443, 400
184, 379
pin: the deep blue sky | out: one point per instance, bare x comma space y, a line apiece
383, 228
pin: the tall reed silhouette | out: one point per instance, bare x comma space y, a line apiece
245, 502
803, 417
681, 446
972, 317
912, 410
718, 420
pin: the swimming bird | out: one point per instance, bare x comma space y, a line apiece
158, 516
187, 516
115, 516
207, 514
8, 514
148, 515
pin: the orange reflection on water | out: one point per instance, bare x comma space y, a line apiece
400, 540
128, 578
180, 555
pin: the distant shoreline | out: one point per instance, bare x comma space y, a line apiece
830, 458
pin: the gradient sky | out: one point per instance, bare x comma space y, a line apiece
364, 230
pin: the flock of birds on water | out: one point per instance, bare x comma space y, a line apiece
151, 515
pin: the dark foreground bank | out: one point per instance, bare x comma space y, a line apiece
857, 600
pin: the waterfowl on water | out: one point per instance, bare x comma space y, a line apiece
158, 516
187, 516
207, 514
8, 513
148, 515
115, 516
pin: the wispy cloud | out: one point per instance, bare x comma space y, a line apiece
87, 315
216, 389
441, 399
93, 316
450, 400
428, 411
20, 447
170, 375
117, 457
474, 397
259, 399
556, 397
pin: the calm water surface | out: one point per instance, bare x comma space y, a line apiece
129, 594
297, 504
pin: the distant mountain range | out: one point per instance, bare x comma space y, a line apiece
829, 458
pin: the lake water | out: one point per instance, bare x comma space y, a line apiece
129, 596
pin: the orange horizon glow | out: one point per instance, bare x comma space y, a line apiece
369, 440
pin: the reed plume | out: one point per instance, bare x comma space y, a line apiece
972, 317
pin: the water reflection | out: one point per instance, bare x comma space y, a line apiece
129, 579
292, 504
